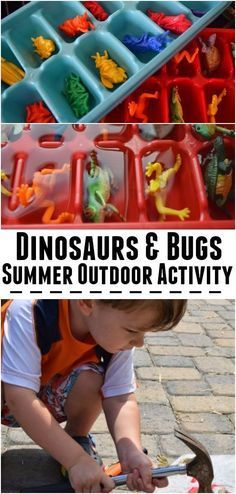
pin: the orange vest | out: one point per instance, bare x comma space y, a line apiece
60, 350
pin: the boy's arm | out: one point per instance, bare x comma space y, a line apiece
123, 420
40, 425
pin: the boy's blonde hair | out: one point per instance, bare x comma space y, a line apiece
168, 312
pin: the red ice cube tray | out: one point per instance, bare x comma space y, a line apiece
196, 86
125, 150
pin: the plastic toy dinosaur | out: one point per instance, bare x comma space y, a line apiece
209, 130
147, 42
176, 107
43, 47
158, 188
110, 73
99, 187
97, 10
4, 190
77, 25
213, 106
218, 175
178, 24
137, 109
43, 184
10, 72
211, 53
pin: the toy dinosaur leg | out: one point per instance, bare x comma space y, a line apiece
64, 217
182, 213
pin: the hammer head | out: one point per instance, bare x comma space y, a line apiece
200, 467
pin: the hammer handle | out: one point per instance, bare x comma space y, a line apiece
118, 479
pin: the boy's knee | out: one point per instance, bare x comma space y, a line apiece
88, 381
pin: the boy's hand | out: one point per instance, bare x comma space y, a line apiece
88, 476
140, 477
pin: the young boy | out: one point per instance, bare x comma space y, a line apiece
67, 360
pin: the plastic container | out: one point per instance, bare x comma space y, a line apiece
44, 80
196, 86
123, 149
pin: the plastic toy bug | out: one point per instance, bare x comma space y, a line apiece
99, 188
218, 175
43, 184
158, 188
211, 53
77, 25
138, 109
110, 73
178, 24
43, 47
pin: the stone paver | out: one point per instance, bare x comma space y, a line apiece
185, 378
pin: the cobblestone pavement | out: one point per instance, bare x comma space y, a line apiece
185, 377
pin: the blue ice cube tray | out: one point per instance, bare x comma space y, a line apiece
44, 79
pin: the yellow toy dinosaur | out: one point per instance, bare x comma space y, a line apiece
110, 72
44, 183
158, 188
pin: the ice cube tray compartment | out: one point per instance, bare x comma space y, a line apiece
194, 84
123, 149
45, 17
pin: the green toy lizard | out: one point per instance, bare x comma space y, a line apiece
218, 175
208, 131
176, 109
99, 187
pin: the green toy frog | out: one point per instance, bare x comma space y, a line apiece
99, 184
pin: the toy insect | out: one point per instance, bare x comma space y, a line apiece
218, 175
99, 188
178, 24
209, 130
77, 25
147, 42
76, 95
5, 178
176, 109
10, 73
138, 109
186, 55
97, 10
110, 73
158, 188
43, 47
43, 183
211, 53
38, 113
213, 106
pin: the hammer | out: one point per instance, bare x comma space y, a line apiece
200, 467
